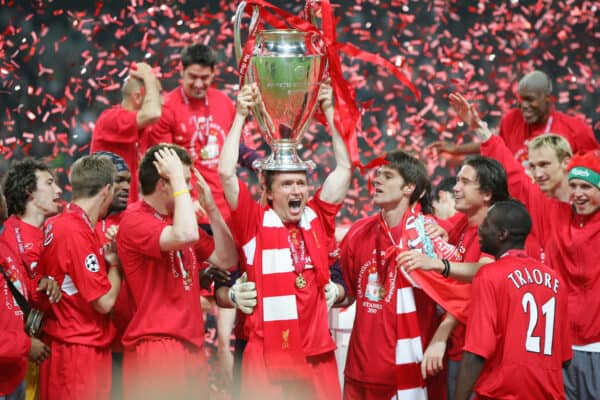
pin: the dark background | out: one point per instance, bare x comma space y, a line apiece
62, 63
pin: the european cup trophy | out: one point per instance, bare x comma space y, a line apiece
288, 67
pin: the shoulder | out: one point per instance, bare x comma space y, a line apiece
512, 115
361, 228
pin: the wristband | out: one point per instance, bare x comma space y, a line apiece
446, 272
180, 192
232, 296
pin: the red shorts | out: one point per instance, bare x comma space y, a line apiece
165, 368
354, 390
76, 372
256, 385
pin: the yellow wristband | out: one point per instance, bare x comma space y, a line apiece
180, 192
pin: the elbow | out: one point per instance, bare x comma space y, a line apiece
105, 304
187, 236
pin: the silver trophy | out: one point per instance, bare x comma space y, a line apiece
288, 67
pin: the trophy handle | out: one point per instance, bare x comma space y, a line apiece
237, 21
311, 12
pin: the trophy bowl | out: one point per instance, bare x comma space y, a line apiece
288, 67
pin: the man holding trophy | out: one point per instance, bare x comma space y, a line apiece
284, 238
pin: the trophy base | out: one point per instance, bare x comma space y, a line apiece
283, 159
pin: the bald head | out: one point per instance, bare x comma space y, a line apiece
535, 91
536, 81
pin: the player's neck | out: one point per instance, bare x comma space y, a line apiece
33, 216
476, 217
393, 216
155, 201
561, 192
91, 206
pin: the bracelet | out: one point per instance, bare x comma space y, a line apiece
446, 271
180, 192
232, 296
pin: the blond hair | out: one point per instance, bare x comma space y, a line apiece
558, 143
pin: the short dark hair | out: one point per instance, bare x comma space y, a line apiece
446, 185
148, 174
90, 174
20, 182
491, 177
198, 53
512, 216
414, 172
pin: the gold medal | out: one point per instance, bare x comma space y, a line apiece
300, 282
381, 292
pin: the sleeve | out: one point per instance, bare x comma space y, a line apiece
14, 343
583, 137
243, 223
118, 126
565, 327
85, 264
141, 233
481, 335
522, 188
204, 247
327, 213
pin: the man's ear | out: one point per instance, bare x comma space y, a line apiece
565, 163
408, 189
503, 235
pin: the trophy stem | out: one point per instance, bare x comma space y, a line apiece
284, 158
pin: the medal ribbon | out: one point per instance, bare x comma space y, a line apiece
297, 249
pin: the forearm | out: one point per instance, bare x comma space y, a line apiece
222, 297
228, 159
337, 183
225, 252
152, 107
185, 228
464, 271
105, 303
467, 148
445, 328
470, 369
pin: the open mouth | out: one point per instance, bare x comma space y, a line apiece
295, 205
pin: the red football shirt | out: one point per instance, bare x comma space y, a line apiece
467, 244
517, 134
25, 240
519, 325
247, 220
14, 342
166, 304
372, 350
199, 126
123, 310
72, 254
117, 131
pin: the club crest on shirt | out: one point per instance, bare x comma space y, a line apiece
91, 263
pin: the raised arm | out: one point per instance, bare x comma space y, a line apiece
337, 182
231, 147
184, 230
152, 107
225, 254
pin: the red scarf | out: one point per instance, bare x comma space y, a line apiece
450, 294
275, 279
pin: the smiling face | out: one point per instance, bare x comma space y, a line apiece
468, 197
584, 196
535, 105
288, 194
197, 79
46, 197
546, 170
